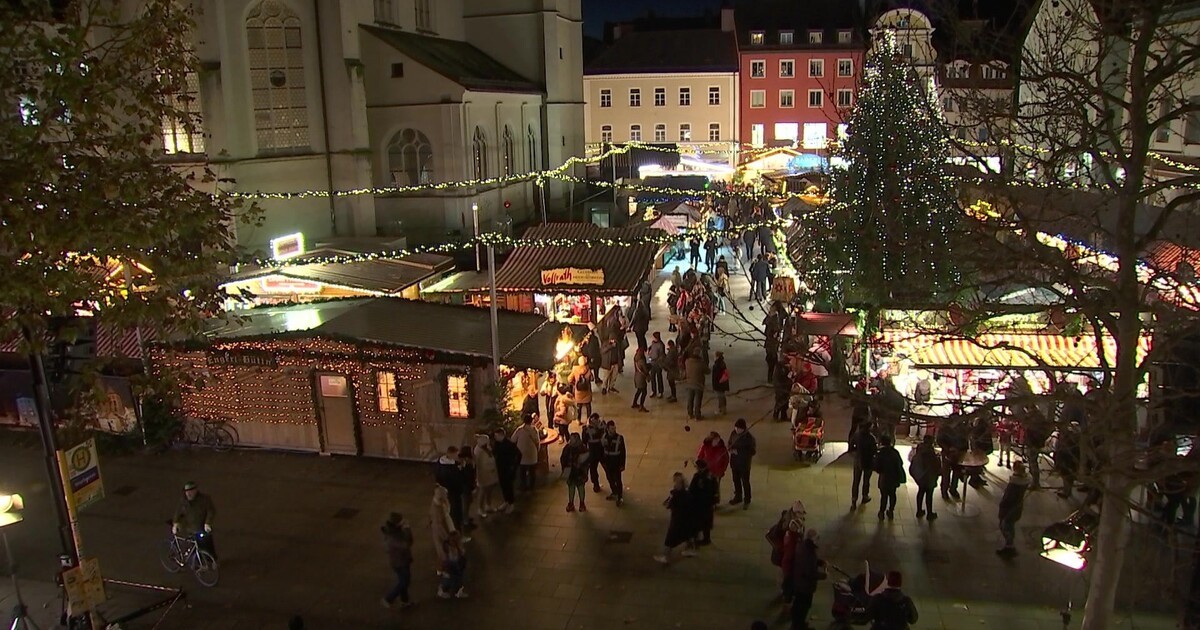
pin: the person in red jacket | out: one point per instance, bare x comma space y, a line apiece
714, 453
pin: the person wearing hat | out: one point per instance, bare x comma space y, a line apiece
892, 609
742, 448
398, 541
195, 516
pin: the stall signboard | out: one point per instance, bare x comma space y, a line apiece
282, 285
80, 467
286, 247
244, 358
783, 289
84, 586
572, 275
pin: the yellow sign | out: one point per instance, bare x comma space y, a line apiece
81, 474
572, 275
783, 289
84, 586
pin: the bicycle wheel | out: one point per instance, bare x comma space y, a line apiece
204, 567
218, 437
193, 430
232, 429
168, 555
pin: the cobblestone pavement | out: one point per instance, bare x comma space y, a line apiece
298, 534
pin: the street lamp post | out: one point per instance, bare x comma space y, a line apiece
11, 508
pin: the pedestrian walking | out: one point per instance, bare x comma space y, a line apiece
720, 381
470, 477
748, 238
892, 609
760, 271
694, 252
641, 376
1012, 504
508, 462
593, 433
441, 525
681, 527
716, 457
702, 493
656, 360
614, 462
609, 354
671, 369
487, 477
807, 568
742, 448
710, 253
527, 441
549, 395
448, 473
574, 461
454, 568
864, 465
581, 381
398, 541
890, 470
925, 468
695, 370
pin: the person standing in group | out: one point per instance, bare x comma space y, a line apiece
773, 331
864, 465
641, 375
549, 395
694, 252
742, 448
508, 462
748, 238
441, 525
702, 493
722, 290
925, 468
527, 440
656, 356
613, 460
564, 408
681, 527
1012, 504
454, 568
890, 470
671, 369
466, 459
593, 433
448, 473
720, 381
639, 322
581, 381
891, 609
574, 461
760, 271
716, 458
710, 253
398, 541
487, 476
722, 267
695, 369
807, 568
609, 353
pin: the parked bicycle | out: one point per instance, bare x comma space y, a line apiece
180, 552
219, 435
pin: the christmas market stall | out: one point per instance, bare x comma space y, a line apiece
576, 282
402, 277
363, 376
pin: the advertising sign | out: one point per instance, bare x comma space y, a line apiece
84, 586
572, 275
783, 289
81, 472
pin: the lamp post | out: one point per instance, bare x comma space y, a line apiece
11, 508
475, 235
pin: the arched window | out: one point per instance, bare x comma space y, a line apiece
479, 146
508, 152
531, 145
276, 53
410, 158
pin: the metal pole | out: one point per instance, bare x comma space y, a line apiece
20, 611
41, 400
475, 222
491, 252
542, 192
141, 342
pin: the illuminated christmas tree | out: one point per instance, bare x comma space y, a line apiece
890, 235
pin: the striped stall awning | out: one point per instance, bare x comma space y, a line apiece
1006, 350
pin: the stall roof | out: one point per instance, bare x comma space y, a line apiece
827, 324
1000, 350
385, 276
624, 266
460, 282
526, 340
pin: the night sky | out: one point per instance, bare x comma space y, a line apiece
597, 12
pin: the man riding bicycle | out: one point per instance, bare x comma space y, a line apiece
194, 516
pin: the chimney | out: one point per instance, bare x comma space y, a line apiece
727, 24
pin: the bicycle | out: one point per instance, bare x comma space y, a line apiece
179, 552
219, 435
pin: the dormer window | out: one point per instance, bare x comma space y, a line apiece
815, 37
902, 21
843, 37
786, 38
994, 72
757, 38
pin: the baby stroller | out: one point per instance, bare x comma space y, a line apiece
808, 433
852, 594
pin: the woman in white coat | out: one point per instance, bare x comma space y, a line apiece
440, 524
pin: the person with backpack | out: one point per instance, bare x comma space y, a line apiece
925, 468
581, 380
890, 469
892, 609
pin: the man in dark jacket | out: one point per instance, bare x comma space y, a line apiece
1012, 503
194, 517
742, 448
925, 470
448, 474
702, 495
890, 468
760, 271
508, 460
613, 460
892, 609
593, 434
398, 540
864, 464
806, 572
720, 381
639, 323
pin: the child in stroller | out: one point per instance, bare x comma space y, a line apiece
852, 595
808, 432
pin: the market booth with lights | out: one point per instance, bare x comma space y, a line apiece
576, 283
382, 377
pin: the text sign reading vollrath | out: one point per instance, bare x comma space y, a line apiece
572, 275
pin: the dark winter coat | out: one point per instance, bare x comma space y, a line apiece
682, 526
891, 610
574, 461
1012, 502
508, 458
720, 376
398, 541
889, 468
806, 567
702, 493
613, 449
449, 475
640, 322
926, 467
864, 450
745, 446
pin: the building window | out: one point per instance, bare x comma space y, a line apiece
276, 52
816, 68
787, 98
183, 130
685, 132
961, 133
844, 37
814, 136
1163, 133
845, 67
956, 71
758, 99
902, 22
714, 96
605, 98
714, 132
816, 98
787, 68
660, 97
757, 135
506, 143
786, 38
845, 98
531, 144
993, 72
947, 103
758, 69
606, 134
907, 51
635, 97
635, 133
1191, 126
479, 149
425, 15
815, 37
389, 398
410, 158
982, 134
685, 96
385, 11
660, 133
458, 394
787, 131
757, 38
